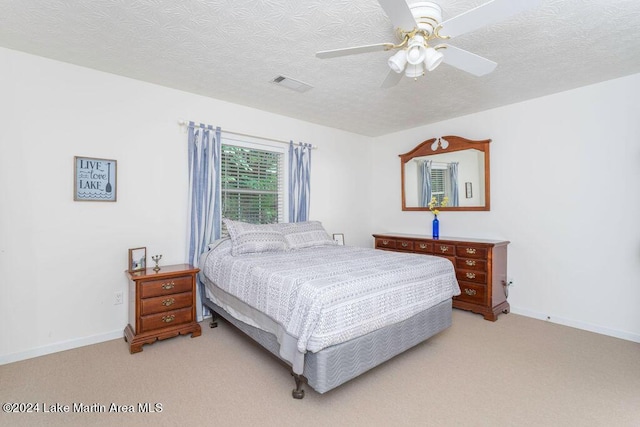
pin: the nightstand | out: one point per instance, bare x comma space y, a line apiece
162, 305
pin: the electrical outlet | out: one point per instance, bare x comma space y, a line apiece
119, 298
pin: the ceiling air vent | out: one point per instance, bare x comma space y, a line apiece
293, 84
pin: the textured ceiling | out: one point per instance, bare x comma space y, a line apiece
232, 49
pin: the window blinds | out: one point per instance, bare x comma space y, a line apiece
252, 184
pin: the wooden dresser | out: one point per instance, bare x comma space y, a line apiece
481, 267
161, 305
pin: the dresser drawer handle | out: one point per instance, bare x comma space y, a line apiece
469, 292
169, 285
471, 275
470, 262
169, 301
385, 242
168, 319
471, 251
444, 248
423, 246
405, 244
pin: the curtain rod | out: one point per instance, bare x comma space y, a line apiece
280, 141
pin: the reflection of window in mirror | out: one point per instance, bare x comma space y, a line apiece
438, 183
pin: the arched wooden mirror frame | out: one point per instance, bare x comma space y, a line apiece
434, 146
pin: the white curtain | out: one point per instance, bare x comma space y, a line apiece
299, 181
204, 194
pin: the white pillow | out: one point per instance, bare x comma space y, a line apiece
254, 238
305, 234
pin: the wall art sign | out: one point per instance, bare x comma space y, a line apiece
95, 179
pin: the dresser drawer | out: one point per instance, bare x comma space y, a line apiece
468, 251
166, 303
425, 247
444, 249
404, 245
163, 320
471, 264
385, 243
154, 288
471, 292
471, 276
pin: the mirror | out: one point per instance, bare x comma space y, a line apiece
449, 166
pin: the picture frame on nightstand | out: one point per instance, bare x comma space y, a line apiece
137, 259
339, 238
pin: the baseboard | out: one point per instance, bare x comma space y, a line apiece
629, 336
60, 346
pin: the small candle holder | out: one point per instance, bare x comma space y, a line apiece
156, 258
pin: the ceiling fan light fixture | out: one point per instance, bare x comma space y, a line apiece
398, 61
416, 52
414, 71
433, 58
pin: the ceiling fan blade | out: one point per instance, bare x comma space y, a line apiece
354, 50
399, 13
392, 79
486, 14
467, 61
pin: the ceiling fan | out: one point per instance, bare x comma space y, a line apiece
424, 37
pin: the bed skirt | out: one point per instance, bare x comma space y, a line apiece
339, 363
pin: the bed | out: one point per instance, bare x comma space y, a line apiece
330, 312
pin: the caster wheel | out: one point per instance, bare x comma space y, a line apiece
297, 394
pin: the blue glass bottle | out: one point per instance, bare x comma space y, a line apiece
435, 231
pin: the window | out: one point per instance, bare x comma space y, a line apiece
252, 183
438, 178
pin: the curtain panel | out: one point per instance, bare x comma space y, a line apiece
204, 194
299, 181
453, 177
425, 182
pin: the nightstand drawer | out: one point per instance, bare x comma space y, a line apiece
385, 244
166, 303
471, 264
472, 293
174, 285
471, 276
163, 320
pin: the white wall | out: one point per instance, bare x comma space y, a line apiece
61, 261
574, 256
565, 171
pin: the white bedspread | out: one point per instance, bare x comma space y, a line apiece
326, 295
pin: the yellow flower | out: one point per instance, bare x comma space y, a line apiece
433, 204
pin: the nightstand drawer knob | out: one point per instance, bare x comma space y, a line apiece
470, 262
444, 248
423, 246
405, 244
471, 275
469, 292
385, 242
169, 301
169, 285
168, 319
471, 251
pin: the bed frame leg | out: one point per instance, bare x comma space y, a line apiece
213, 323
298, 392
